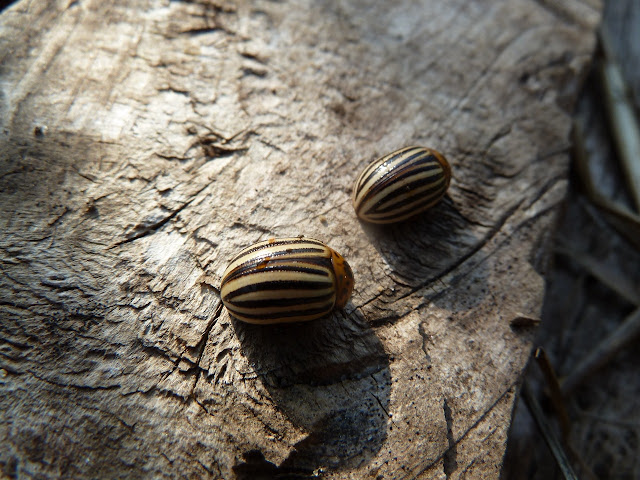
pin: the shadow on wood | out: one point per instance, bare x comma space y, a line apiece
423, 250
331, 378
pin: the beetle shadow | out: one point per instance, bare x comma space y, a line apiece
331, 378
421, 251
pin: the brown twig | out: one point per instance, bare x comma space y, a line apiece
555, 393
557, 400
547, 433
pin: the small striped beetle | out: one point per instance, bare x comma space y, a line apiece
401, 184
286, 280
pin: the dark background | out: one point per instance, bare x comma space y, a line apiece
579, 309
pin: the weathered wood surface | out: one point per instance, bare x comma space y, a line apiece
145, 142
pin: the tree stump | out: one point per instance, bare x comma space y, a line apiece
144, 143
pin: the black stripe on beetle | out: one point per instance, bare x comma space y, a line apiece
275, 286
283, 317
391, 161
273, 264
274, 242
401, 184
282, 302
286, 280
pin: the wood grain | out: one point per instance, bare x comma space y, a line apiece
144, 143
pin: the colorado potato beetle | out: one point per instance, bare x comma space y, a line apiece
401, 184
286, 280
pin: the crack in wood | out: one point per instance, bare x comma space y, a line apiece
449, 460
157, 225
200, 347
74, 386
